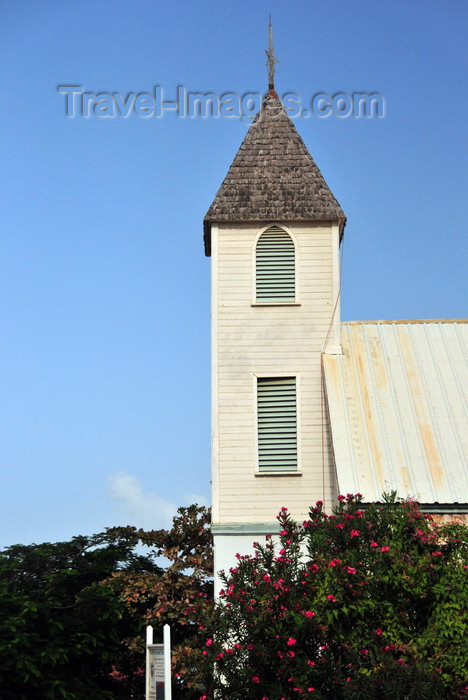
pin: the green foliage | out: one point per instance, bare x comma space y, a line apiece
73, 614
364, 603
168, 598
60, 627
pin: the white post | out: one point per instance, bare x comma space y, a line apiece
167, 662
149, 640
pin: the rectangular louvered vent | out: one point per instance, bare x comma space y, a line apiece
275, 266
277, 424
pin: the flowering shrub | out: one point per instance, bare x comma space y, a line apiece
364, 603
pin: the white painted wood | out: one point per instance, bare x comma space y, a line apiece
225, 549
334, 341
167, 663
214, 377
250, 340
149, 640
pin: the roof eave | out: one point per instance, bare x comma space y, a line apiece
208, 222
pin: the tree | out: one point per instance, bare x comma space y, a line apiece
60, 627
73, 614
168, 598
363, 603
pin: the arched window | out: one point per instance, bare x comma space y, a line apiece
275, 266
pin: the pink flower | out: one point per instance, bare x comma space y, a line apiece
266, 578
340, 526
355, 533
209, 642
378, 631
310, 663
319, 503
331, 598
291, 654
385, 549
341, 498
291, 641
437, 554
350, 570
309, 613
310, 690
374, 544
256, 679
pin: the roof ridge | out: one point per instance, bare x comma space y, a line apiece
405, 321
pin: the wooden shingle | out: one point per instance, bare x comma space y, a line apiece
272, 178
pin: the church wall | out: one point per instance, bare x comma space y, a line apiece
249, 341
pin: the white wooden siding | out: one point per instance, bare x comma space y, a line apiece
249, 341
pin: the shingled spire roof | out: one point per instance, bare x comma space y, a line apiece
272, 178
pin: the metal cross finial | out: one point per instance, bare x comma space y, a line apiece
271, 59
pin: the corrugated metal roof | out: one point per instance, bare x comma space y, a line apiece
398, 406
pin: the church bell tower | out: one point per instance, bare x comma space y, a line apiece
273, 233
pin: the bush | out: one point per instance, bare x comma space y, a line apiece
363, 603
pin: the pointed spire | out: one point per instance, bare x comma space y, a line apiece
271, 58
273, 178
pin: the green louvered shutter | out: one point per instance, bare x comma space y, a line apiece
275, 266
277, 424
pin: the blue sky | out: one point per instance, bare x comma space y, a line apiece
104, 287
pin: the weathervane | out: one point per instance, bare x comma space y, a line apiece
271, 59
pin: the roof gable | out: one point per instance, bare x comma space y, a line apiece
273, 177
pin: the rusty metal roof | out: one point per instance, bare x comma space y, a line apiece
273, 177
398, 406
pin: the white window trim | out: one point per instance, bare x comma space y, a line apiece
275, 303
278, 375
289, 302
